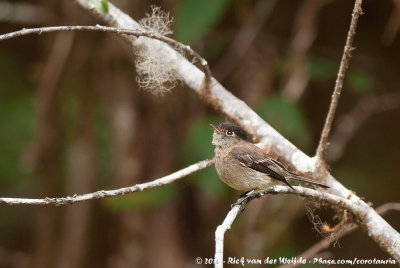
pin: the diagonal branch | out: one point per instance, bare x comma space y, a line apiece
347, 229
344, 65
102, 194
357, 209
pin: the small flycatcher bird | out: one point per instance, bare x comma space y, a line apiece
245, 167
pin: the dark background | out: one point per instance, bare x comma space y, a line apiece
73, 120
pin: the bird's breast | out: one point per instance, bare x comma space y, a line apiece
239, 176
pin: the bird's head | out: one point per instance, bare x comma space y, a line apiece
228, 134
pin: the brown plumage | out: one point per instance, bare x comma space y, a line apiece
244, 166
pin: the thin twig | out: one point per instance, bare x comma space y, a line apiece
109, 193
382, 209
98, 28
347, 229
344, 64
350, 123
322, 244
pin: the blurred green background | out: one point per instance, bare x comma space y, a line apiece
74, 121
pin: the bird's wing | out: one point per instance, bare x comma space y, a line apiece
298, 177
254, 158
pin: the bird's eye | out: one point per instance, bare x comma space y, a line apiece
229, 132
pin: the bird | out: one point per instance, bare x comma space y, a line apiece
245, 167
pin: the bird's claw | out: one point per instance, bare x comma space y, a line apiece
246, 198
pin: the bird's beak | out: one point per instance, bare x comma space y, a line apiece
216, 129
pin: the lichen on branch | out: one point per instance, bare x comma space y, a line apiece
154, 73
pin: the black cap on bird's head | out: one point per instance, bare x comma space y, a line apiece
227, 133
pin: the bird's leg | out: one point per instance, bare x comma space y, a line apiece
245, 193
242, 199
246, 198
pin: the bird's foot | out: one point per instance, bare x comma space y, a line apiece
246, 198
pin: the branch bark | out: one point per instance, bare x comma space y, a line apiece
358, 209
102, 193
344, 65
347, 229
220, 234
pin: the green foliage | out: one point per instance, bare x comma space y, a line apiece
101, 6
143, 200
355, 176
69, 109
195, 18
102, 134
103, 146
322, 69
287, 252
197, 147
360, 81
281, 65
16, 118
286, 117
357, 80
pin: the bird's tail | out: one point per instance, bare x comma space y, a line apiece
307, 180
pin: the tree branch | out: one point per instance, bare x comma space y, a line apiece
350, 123
220, 233
356, 208
347, 229
388, 206
102, 194
344, 65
